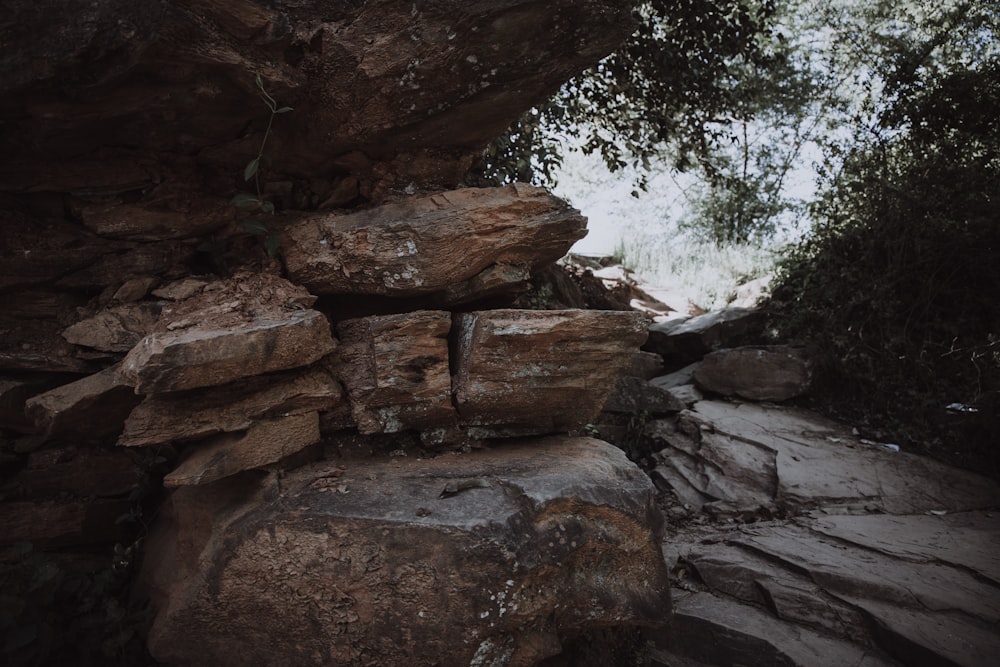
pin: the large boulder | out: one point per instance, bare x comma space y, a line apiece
764, 373
490, 558
432, 244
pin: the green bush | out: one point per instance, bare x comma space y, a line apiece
898, 285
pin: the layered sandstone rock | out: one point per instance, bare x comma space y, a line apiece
224, 349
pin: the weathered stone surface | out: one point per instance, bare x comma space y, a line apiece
201, 356
633, 395
68, 410
677, 378
968, 540
540, 371
396, 371
646, 365
383, 92
15, 391
204, 357
766, 373
429, 244
715, 631
31, 320
750, 456
485, 558
866, 580
199, 413
115, 329
682, 342
687, 394
135, 289
266, 441
42, 250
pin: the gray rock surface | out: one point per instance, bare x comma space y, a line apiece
759, 373
885, 558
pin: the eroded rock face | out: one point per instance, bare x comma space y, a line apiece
433, 244
249, 325
742, 457
385, 91
396, 370
542, 371
487, 558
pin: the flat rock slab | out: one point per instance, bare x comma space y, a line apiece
716, 631
911, 588
200, 413
685, 341
484, 558
432, 244
68, 410
267, 441
206, 357
749, 455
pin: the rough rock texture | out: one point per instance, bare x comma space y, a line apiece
266, 441
746, 456
409, 248
68, 410
383, 92
767, 373
205, 357
887, 559
247, 325
396, 371
489, 558
116, 329
178, 417
539, 371
129, 274
633, 395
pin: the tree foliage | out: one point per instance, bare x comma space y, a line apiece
897, 285
672, 89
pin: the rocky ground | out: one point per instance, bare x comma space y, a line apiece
791, 539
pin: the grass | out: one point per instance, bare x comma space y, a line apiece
705, 273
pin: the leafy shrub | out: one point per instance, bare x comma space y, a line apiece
898, 284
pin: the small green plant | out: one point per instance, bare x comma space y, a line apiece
255, 201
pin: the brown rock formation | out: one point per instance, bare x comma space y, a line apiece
143, 308
495, 557
383, 92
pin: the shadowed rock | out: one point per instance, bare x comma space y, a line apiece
433, 244
486, 558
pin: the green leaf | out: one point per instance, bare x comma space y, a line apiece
254, 226
283, 110
251, 168
245, 200
267, 207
